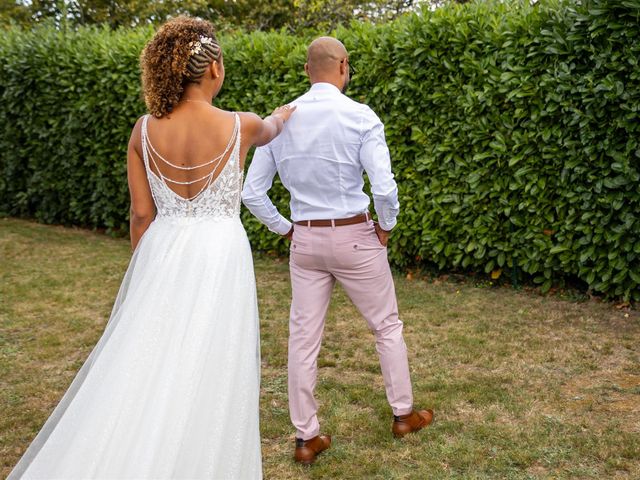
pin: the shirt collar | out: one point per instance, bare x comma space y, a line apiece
324, 87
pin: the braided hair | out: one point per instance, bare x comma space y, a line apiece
178, 54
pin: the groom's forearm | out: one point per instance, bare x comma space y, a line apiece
265, 211
387, 207
254, 194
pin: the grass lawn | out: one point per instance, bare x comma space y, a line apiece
524, 386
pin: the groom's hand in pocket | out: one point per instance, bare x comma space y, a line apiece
383, 235
289, 234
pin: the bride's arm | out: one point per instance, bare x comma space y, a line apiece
262, 131
143, 209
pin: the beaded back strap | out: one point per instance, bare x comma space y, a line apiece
150, 153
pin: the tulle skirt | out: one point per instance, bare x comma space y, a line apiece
171, 389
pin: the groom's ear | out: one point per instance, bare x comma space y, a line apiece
306, 69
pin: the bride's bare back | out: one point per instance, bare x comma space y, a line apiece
189, 148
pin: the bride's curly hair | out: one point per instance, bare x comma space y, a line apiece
178, 54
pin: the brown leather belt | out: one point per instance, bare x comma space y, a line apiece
338, 222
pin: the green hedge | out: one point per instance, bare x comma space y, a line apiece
68, 103
513, 131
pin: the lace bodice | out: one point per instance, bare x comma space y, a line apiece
220, 197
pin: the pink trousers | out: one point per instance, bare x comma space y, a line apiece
352, 255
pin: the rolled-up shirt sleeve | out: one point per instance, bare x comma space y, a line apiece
376, 161
254, 194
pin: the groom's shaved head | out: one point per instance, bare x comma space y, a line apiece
323, 53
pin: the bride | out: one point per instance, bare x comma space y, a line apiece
171, 388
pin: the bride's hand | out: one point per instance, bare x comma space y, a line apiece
284, 112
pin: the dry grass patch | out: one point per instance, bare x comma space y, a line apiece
524, 386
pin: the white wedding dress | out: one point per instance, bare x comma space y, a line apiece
171, 389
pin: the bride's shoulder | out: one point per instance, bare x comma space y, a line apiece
250, 121
138, 125
249, 117
134, 139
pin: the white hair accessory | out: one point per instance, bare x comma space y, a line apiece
195, 47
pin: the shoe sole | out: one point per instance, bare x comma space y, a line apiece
402, 435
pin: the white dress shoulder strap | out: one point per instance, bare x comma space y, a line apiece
145, 138
236, 148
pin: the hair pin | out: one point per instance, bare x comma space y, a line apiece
195, 47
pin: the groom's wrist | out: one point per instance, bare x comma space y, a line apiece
282, 227
388, 226
289, 234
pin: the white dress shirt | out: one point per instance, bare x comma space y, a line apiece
320, 156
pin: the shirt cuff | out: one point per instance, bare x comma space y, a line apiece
282, 227
387, 225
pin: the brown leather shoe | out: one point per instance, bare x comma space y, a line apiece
411, 422
308, 450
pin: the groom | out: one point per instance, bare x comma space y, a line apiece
320, 157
